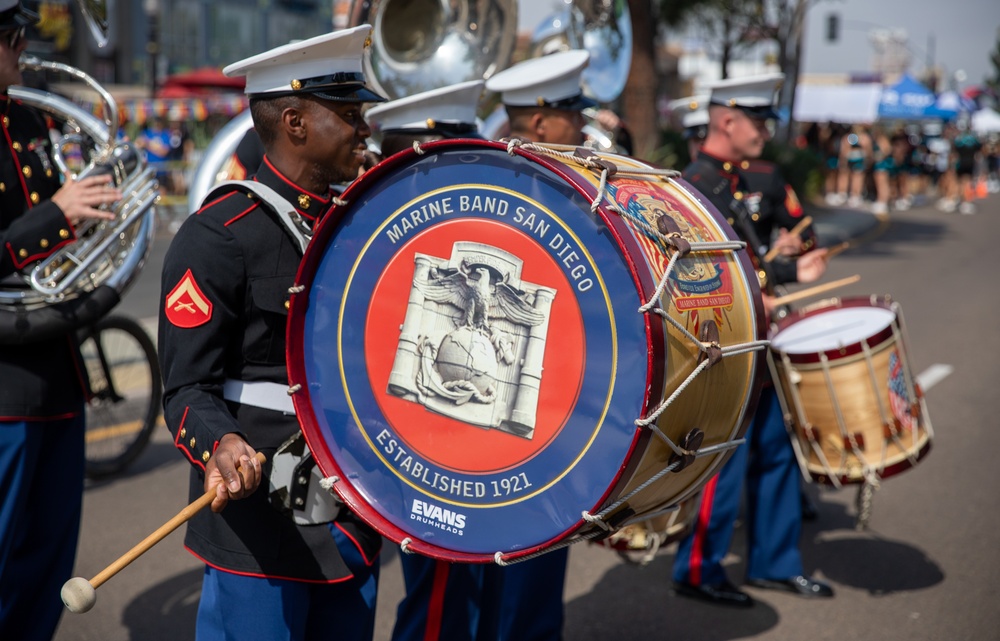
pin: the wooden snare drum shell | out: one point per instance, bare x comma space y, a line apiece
837, 401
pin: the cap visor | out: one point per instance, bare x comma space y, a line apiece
353, 94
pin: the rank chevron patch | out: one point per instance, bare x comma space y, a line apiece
186, 305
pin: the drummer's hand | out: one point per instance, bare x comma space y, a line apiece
769, 307
811, 265
79, 199
788, 244
221, 469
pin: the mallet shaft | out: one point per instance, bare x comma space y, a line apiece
161, 533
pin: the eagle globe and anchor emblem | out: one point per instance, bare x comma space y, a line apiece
473, 338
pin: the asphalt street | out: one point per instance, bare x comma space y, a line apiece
923, 570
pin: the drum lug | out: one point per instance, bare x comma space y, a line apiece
854, 441
689, 444
709, 336
671, 232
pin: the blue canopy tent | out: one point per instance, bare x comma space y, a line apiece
910, 100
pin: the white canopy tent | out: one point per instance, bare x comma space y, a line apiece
986, 121
837, 103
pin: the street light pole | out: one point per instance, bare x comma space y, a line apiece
152, 10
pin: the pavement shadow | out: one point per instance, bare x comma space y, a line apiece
637, 602
864, 559
167, 610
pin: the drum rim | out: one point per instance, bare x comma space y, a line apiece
298, 303
848, 302
884, 473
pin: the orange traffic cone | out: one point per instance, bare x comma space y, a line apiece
982, 189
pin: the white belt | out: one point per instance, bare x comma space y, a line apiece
270, 396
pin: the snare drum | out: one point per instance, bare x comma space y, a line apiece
469, 357
847, 390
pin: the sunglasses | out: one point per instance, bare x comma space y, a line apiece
12, 37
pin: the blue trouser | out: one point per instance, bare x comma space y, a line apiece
465, 602
41, 490
767, 465
234, 607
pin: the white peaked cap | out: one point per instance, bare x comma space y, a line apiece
692, 111
329, 66
451, 105
755, 94
549, 81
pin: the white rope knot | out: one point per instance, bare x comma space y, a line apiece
499, 560
294, 388
296, 289
340, 202
417, 148
595, 520
404, 545
327, 482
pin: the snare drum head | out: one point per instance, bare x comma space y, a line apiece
469, 351
836, 327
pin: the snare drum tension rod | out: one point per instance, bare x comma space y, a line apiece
689, 446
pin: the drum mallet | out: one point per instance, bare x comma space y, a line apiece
798, 229
813, 291
79, 594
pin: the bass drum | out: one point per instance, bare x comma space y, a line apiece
470, 364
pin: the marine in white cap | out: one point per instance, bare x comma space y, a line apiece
765, 464
273, 569
544, 98
443, 113
692, 113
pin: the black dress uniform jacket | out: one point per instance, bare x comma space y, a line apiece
726, 186
230, 266
38, 379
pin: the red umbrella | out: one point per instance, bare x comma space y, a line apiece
199, 82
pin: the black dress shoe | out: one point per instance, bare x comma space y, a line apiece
800, 585
721, 594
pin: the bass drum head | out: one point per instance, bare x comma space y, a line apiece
469, 351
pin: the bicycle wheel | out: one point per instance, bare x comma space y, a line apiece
126, 393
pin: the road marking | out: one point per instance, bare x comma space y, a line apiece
933, 375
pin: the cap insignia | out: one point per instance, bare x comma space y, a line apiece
296, 85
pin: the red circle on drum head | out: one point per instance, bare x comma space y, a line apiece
454, 444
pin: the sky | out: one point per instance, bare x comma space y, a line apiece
963, 32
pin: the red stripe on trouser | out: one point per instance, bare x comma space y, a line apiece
435, 608
701, 528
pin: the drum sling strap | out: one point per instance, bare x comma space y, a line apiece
296, 486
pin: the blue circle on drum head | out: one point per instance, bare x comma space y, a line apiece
473, 352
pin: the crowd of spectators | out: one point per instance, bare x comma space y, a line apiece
885, 166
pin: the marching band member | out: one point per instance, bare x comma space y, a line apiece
737, 131
543, 98
42, 382
692, 113
271, 570
443, 600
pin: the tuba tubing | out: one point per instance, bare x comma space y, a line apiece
84, 280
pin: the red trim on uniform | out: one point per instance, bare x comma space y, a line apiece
700, 532
322, 199
357, 545
435, 606
216, 201
241, 214
268, 576
33, 257
180, 446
